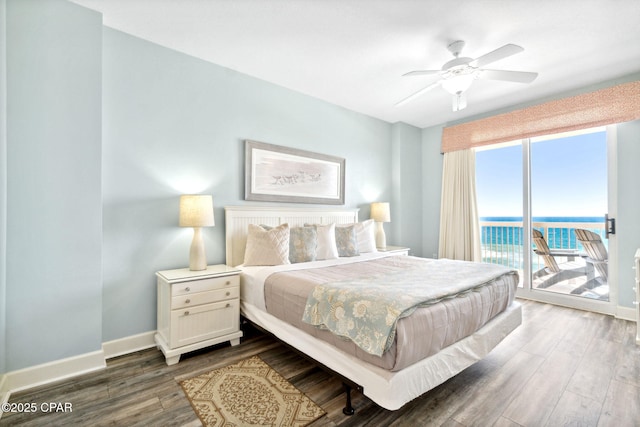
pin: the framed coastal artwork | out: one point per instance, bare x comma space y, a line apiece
281, 174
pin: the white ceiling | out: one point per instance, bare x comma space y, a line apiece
353, 52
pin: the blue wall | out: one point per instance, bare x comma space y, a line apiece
175, 124
431, 189
104, 131
54, 207
3, 188
628, 220
406, 184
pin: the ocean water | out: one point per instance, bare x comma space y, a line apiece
558, 237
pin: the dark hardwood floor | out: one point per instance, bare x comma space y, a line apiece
562, 367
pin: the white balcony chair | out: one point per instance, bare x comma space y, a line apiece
596, 252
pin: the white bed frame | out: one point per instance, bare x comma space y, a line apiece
391, 390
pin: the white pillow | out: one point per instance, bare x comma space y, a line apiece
326, 248
267, 247
365, 233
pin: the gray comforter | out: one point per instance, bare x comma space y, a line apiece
425, 332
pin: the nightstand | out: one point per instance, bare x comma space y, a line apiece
401, 250
197, 309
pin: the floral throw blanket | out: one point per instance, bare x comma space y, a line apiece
365, 310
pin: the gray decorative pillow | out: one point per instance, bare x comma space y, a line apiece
346, 241
267, 247
303, 242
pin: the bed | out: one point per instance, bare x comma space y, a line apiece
406, 367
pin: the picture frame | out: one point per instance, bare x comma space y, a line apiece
275, 173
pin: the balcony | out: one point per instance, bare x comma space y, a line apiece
502, 242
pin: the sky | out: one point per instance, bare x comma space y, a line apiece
568, 178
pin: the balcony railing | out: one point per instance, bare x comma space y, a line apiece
502, 242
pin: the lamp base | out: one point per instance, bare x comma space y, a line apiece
197, 257
381, 238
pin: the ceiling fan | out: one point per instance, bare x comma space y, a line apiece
457, 75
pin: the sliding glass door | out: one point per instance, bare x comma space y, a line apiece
568, 207
552, 228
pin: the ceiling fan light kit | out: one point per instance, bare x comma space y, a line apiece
459, 101
458, 74
458, 83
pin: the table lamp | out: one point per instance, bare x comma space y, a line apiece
380, 214
196, 211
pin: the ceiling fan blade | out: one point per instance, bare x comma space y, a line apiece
418, 93
511, 76
421, 73
496, 55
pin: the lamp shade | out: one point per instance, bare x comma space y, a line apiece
196, 210
380, 212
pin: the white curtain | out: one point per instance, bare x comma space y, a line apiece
459, 222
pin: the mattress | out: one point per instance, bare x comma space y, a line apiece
283, 293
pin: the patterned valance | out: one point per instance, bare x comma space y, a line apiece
607, 106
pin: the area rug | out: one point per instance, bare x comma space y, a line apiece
248, 393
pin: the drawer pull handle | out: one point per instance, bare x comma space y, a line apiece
228, 282
228, 293
187, 289
228, 305
187, 301
186, 313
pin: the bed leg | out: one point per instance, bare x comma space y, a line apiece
348, 409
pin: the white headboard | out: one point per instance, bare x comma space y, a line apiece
238, 218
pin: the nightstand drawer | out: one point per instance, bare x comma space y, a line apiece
196, 298
186, 288
204, 322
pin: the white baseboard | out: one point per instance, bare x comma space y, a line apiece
128, 345
56, 370
626, 313
4, 390
34, 376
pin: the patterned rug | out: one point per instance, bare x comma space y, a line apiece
248, 393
